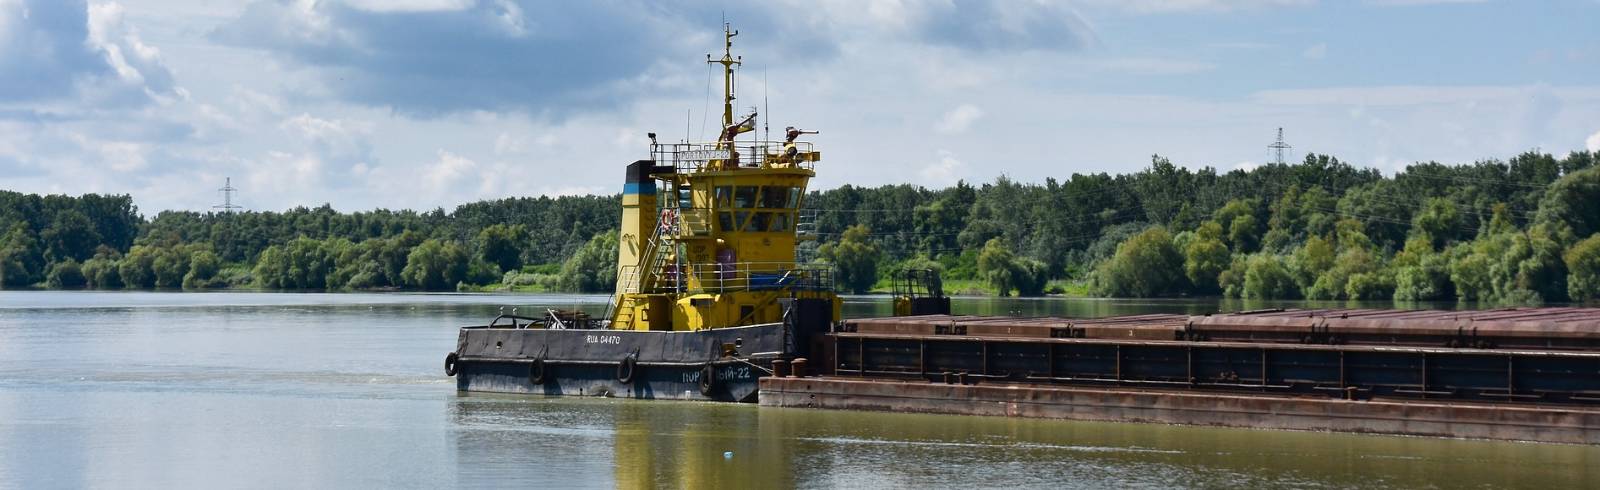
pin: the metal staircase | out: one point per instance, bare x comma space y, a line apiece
644, 276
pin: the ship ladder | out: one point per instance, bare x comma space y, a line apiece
645, 273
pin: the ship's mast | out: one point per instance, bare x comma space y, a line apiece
728, 61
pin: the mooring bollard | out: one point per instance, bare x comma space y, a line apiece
780, 368
798, 366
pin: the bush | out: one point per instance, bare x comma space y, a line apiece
436, 265
1267, 277
854, 259
998, 266
1370, 285
1205, 257
203, 268
101, 273
1145, 265
65, 275
1583, 269
1425, 281
1232, 280
594, 268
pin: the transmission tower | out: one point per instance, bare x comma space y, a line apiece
1278, 147
227, 191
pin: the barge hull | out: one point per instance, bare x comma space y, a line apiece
590, 362
1561, 424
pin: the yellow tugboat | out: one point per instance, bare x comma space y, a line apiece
709, 293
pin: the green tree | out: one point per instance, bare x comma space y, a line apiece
1031, 277
1205, 257
67, 274
1570, 208
854, 259
70, 236
436, 265
1420, 274
1583, 269
1309, 262
1232, 280
594, 268
203, 267
1267, 277
169, 266
1238, 219
101, 272
997, 266
1439, 221
502, 245
1144, 266
21, 259
137, 268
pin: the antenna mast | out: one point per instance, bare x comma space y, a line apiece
766, 128
728, 61
1278, 147
227, 191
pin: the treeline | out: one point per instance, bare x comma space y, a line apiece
102, 242
1522, 230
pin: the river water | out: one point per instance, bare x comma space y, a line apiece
285, 390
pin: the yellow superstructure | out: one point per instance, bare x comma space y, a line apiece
709, 229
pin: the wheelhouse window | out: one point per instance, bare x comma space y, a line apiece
775, 197
744, 196
758, 221
780, 221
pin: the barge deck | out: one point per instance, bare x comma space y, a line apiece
1518, 374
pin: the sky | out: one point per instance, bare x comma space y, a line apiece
432, 103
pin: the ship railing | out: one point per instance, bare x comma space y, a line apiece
805, 224
628, 276
700, 157
736, 276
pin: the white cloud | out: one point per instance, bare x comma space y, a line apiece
448, 171
944, 172
1406, 95
959, 119
410, 5
341, 104
1593, 143
1172, 6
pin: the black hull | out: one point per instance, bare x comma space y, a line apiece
620, 363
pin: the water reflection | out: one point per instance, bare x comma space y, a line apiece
520, 441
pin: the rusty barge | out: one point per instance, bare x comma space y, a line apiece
1515, 374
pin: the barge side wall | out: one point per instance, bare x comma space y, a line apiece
1560, 424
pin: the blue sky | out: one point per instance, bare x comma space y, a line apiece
427, 103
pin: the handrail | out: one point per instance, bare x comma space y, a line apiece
514, 319
736, 276
698, 157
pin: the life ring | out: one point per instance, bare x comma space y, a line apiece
626, 368
450, 361
708, 380
536, 372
